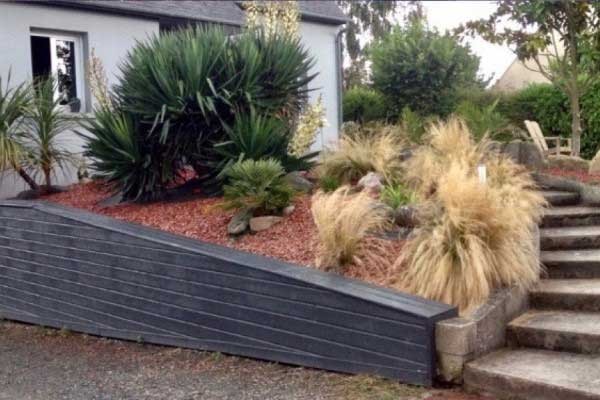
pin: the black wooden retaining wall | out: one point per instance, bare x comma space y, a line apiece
66, 268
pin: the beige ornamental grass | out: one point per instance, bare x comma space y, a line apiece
344, 220
356, 155
474, 237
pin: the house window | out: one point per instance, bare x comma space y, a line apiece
60, 56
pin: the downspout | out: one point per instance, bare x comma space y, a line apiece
339, 62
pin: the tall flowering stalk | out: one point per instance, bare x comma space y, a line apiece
98, 81
309, 124
273, 17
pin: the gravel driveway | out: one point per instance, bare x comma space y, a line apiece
46, 364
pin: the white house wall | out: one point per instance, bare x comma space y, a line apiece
110, 36
320, 41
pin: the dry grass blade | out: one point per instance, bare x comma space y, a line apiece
343, 221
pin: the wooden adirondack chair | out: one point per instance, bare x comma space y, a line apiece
540, 140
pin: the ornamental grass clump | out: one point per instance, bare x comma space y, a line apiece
344, 220
475, 236
356, 155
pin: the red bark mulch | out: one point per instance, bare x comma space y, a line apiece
291, 240
579, 175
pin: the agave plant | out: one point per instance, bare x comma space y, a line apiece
46, 125
14, 102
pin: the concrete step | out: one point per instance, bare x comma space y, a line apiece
531, 374
566, 294
560, 198
571, 264
570, 237
574, 331
571, 216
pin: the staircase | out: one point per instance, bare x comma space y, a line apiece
554, 348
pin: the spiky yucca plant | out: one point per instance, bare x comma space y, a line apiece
257, 185
475, 237
343, 220
118, 155
182, 90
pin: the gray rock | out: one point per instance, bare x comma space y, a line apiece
239, 222
405, 154
371, 182
298, 182
112, 200
406, 216
289, 210
258, 224
589, 194
524, 153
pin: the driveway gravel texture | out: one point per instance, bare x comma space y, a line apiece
38, 363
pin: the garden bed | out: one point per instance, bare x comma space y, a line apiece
578, 175
201, 218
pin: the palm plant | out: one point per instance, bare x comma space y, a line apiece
13, 105
257, 185
46, 122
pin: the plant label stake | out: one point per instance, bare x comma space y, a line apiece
482, 173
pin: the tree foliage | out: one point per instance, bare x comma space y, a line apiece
368, 18
418, 67
561, 38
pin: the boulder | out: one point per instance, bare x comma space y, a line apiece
298, 182
524, 153
258, 224
405, 216
371, 182
595, 164
288, 210
568, 163
239, 222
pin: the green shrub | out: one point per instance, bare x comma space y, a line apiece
329, 183
590, 104
549, 106
361, 104
257, 185
542, 103
486, 120
413, 125
397, 195
183, 89
418, 67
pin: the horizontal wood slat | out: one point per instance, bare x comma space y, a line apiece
66, 268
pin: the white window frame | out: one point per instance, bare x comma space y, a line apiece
79, 61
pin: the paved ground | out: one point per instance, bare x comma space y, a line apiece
46, 364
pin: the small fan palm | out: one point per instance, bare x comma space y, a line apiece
13, 107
